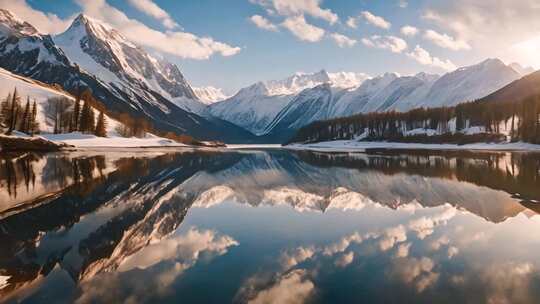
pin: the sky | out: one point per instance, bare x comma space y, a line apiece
230, 44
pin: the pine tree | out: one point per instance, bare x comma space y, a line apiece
76, 114
13, 112
4, 111
25, 121
87, 119
101, 127
34, 124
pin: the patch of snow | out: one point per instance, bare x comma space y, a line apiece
209, 94
88, 140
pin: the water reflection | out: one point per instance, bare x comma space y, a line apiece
164, 226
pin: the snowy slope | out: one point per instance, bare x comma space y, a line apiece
469, 83
256, 106
40, 93
209, 95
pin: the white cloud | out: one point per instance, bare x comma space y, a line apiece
292, 288
403, 3
352, 22
392, 43
342, 40
446, 41
424, 57
409, 30
376, 20
45, 22
182, 44
303, 30
294, 8
151, 9
263, 23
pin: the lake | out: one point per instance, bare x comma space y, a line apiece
270, 226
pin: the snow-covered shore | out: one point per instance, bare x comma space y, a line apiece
361, 146
79, 140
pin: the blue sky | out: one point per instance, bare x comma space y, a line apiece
300, 35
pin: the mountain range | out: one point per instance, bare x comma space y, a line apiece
128, 79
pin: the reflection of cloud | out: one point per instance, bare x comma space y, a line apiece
186, 248
344, 259
342, 244
416, 271
292, 258
183, 251
403, 250
424, 225
392, 236
509, 282
452, 251
426, 281
291, 288
438, 243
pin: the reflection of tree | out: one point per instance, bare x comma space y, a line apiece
518, 174
17, 169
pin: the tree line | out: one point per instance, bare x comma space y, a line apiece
519, 119
16, 117
78, 116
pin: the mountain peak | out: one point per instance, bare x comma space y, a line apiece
10, 24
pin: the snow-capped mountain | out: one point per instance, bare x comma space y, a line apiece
256, 106
105, 53
521, 69
393, 92
120, 74
469, 83
209, 95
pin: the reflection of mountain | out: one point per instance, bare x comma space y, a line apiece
317, 181
102, 210
109, 218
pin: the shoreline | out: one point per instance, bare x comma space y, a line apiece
359, 146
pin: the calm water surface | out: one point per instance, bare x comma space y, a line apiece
270, 226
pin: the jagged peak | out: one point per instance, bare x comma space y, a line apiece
11, 24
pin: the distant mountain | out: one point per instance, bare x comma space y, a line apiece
119, 73
392, 92
256, 106
521, 70
209, 95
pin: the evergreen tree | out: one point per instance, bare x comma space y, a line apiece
87, 122
101, 127
13, 112
34, 124
4, 111
76, 114
25, 121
